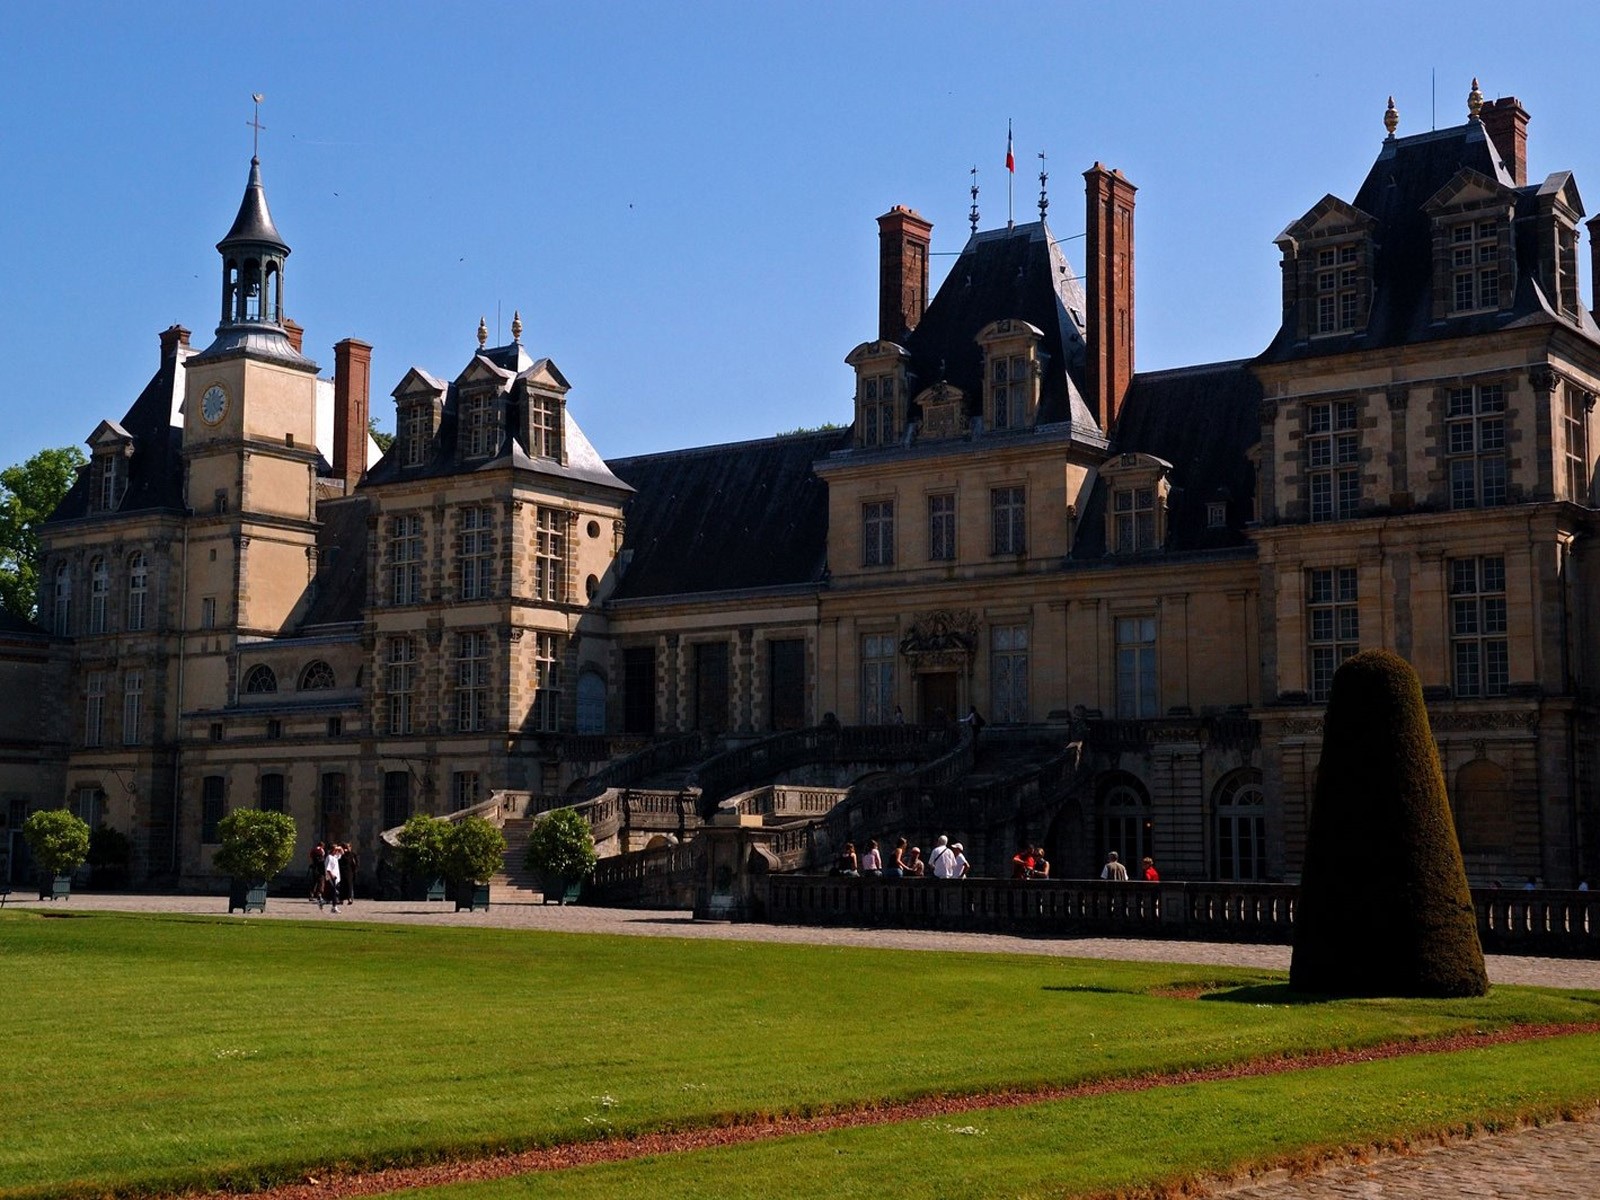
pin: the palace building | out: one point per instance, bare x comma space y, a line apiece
243, 604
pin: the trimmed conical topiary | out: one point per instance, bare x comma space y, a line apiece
1384, 905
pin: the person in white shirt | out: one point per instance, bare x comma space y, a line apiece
331, 875
872, 860
960, 867
1113, 870
942, 862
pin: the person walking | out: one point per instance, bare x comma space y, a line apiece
330, 876
348, 864
1114, 870
314, 874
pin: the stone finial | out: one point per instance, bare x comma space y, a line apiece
483, 332
1391, 117
1474, 100
516, 325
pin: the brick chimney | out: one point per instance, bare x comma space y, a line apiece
1109, 199
902, 272
352, 383
173, 338
1506, 123
295, 332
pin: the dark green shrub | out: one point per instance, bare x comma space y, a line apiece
256, 845
422, 843
110, 852
1384, 905
474, 849
561, 846
58, 841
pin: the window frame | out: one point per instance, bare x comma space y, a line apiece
1480, 655
877, 533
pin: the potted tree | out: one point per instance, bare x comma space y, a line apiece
422, 843
256, 845
59, 843
474, 851
561, 853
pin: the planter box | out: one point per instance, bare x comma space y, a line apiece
55, 887
474, 897
561, 891
434, 890
247, 897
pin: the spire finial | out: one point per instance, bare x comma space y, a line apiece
516, 325
483, 332
255, 123
1474, 100
973, 215
1391, 117
1044, 178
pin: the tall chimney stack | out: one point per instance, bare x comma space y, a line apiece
1109, 198
902, 272
172, 338
352, 383
1506, 123
295, 332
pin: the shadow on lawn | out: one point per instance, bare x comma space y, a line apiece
1266, 993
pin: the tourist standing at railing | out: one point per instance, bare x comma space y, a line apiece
1114, 871
960, 867
941, 863
1022, 864
848, 863
915, 867
872, 861
1151, 875
897, 863
1041, 864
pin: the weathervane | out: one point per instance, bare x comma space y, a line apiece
255, 123
1044, 178
973, 215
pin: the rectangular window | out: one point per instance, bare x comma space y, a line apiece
138, 591
1338, 283
475, 556
396, 798
1478, 646
711, 686
405, 559
210, 808
1333, 630
550, 555
472, 682
1475, 445
1474, 265
402, 667
132, 706
1575, 419
335, 727
99, 594
1009, 388
877, 533
786, 683
877, 678
463, 790
1008, 507
330, 798
208, 612
639, 689
477, 424
1332, 453
94, 709
272, 792
274, 729
1136, 667
88, 805
878, 411
1008, 673
416, 430
547, 648
544, 426
942, 528
1134, 519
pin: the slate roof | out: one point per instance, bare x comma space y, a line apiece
1203, 420
341, 584
721, 518
1018, 273
155, 472
1407, 174
254, 222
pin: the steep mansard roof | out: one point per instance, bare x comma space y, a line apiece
721, 518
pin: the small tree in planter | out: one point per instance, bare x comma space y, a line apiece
59, 843
561, 852
474, 850
422, 853
256, 845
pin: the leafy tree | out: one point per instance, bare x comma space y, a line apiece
422, 847
1384, 905
256, 845
383, 437
58, 840
29, 492
474, 849
561, 846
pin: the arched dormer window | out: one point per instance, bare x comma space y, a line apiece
1137, 486
317, 677
1012, 368
138, 590
61, 625
881, 393
1327, 270
260, 680
99, 594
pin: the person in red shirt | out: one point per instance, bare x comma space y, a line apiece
1151, 875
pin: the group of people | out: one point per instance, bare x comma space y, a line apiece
1030, 863
331, 876
945, 861
1117, 873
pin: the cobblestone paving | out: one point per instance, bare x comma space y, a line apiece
1560, 1160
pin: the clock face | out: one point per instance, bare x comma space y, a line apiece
214, 403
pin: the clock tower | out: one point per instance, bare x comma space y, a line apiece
249, 446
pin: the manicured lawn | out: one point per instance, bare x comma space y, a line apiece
157, 1052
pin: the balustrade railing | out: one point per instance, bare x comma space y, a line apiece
661, 756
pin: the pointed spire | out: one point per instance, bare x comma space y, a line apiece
483, 332
1044, 178
516, 325
1474, 100
1391, 117
973, 215
254, 222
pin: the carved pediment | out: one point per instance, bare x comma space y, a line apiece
879, 351
418, 382
1469, 189
944, 412
544, 375
945, 632
108, 437
1329, 217
481, 373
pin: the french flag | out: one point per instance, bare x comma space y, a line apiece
1011, 162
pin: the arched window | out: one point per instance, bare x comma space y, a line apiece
99, 591
591, 702
260, 680
1481, 801
1123, 820
63, 613
138, 589
317, 677
1240, 832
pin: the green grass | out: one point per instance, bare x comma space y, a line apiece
1107, 1144
146, 1053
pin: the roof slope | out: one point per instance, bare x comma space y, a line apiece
155, 472
721, 518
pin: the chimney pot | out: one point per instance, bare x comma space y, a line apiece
903, 238
173, 337
1506, 123
295, 332
352, 384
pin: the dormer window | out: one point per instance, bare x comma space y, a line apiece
1217, 514
1134, 517
418, 402
416, 429
544, 425
1136, 509
477, 425
1327, 270
1338, 288
111, 481
1474, 266
1011, 373
881, 393
878, 408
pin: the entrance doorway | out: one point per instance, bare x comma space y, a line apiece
937, 698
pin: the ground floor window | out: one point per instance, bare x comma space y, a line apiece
210, 808
877, 678
396, 798
1241, 829
1124, 823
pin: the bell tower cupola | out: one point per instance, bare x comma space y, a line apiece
253, 255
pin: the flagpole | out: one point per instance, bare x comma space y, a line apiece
1011, 174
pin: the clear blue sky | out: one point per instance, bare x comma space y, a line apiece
681, 199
